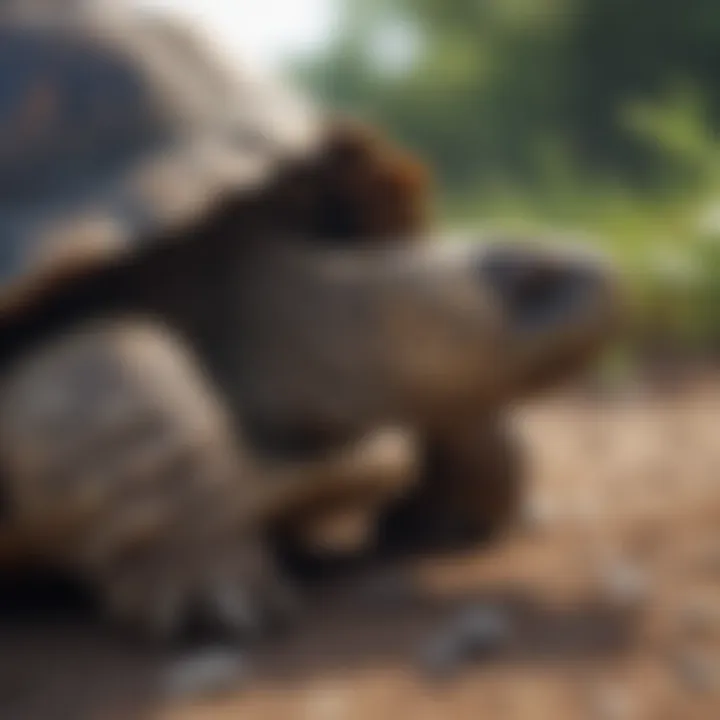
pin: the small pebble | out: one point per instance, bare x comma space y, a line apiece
539, 514
708, 561
471, 635
326, 703
207, 673
610, 703
625, 584
700, 618
697, 672
587, 507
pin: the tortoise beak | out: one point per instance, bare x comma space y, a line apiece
561, 305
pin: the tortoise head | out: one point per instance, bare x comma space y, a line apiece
485, 324
559, 306
416, 332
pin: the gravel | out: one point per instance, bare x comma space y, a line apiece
207, 673
471, 635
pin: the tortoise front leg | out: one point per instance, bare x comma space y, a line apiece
470, 491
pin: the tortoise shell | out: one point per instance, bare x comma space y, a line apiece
116, 125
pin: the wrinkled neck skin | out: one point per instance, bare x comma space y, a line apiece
333, 341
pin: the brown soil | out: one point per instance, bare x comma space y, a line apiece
612, 588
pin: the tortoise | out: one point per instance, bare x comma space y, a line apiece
225, 319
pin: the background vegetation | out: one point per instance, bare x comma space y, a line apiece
592, 115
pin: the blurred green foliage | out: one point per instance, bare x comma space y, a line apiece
594, 114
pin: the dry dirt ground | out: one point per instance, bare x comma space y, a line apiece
606, 603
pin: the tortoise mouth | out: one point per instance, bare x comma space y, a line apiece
560, 306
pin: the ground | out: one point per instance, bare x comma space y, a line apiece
609, 593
